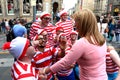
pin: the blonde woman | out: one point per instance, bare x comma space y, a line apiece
89, 51
112, 29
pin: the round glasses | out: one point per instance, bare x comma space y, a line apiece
47, 18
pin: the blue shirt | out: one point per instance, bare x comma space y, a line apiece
19, 30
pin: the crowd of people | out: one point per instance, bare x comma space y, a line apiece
109, 27
54, 52
6, 24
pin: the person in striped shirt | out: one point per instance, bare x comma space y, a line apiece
22, 68
72, 40
112, 63
89, 51
65, 23
66, 74
57, 32
43, 24
44, 55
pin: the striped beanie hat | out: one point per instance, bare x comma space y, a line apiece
17, 47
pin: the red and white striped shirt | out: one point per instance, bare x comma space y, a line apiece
67, 26
65, 72
44, 59
23, 71
50, 30
111, 66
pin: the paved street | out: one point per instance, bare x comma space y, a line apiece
2, 40
6, 60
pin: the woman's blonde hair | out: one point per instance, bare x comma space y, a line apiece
86, 25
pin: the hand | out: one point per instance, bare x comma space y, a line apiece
41, 71
109, 48
35, 43
44, 71
62, 46
43, 77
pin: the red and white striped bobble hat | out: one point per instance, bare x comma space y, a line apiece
17, 47
38, 19
63, 13
40, 31
43, 14
61, 34
74, 32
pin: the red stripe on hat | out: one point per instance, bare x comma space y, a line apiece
25, 49
73, 33
44, 15
64, 14
58, 28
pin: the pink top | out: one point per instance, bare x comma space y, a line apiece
91, 58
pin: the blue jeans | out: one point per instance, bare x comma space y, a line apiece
117, 36
112, 76
3, 29
76, 71
70, 77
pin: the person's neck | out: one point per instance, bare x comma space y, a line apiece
63, 20
41, 49
43, 25
20, 24
72, 41
26, 60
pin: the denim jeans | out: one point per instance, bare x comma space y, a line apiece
117, 36
112, 76
70, 77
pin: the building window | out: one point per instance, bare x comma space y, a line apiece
26, 6
39, 6
0, 8
10, 6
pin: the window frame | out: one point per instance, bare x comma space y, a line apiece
1, 8
23, 7
37, 2
7, 8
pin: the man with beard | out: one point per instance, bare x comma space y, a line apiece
44, 55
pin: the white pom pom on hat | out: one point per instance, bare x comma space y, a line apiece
43, 14
63, 13
18, 47
38, 19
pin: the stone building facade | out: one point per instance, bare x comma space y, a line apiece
107, 6
10, 9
